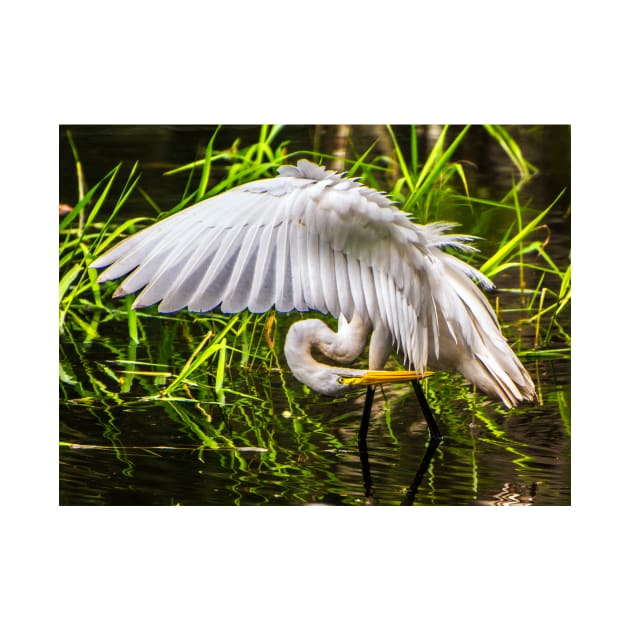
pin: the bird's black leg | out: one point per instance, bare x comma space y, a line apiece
365, 420
363, 453
367, 477
434, 430
410, 493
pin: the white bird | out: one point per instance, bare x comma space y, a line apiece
311, 239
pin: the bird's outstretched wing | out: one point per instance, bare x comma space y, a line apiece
309, 239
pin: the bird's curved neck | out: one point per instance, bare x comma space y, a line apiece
343, 347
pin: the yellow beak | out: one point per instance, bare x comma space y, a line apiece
376, 377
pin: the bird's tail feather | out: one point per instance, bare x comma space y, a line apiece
485, 359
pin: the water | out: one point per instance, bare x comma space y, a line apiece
147, 458
299, 448
304, 451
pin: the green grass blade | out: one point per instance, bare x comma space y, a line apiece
488, 268
220, 373
207, 166
434, 166
67, 279
401, 159
512, 150
201, 354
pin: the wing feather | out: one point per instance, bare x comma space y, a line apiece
284, 298
191, 275
316, 299
327, 274
262, 293
342, 284
299, 278
214, 285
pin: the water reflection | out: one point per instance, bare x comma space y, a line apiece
410, 493
434, 442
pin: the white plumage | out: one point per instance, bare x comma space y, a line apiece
311, 239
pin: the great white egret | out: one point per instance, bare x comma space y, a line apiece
311, 239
